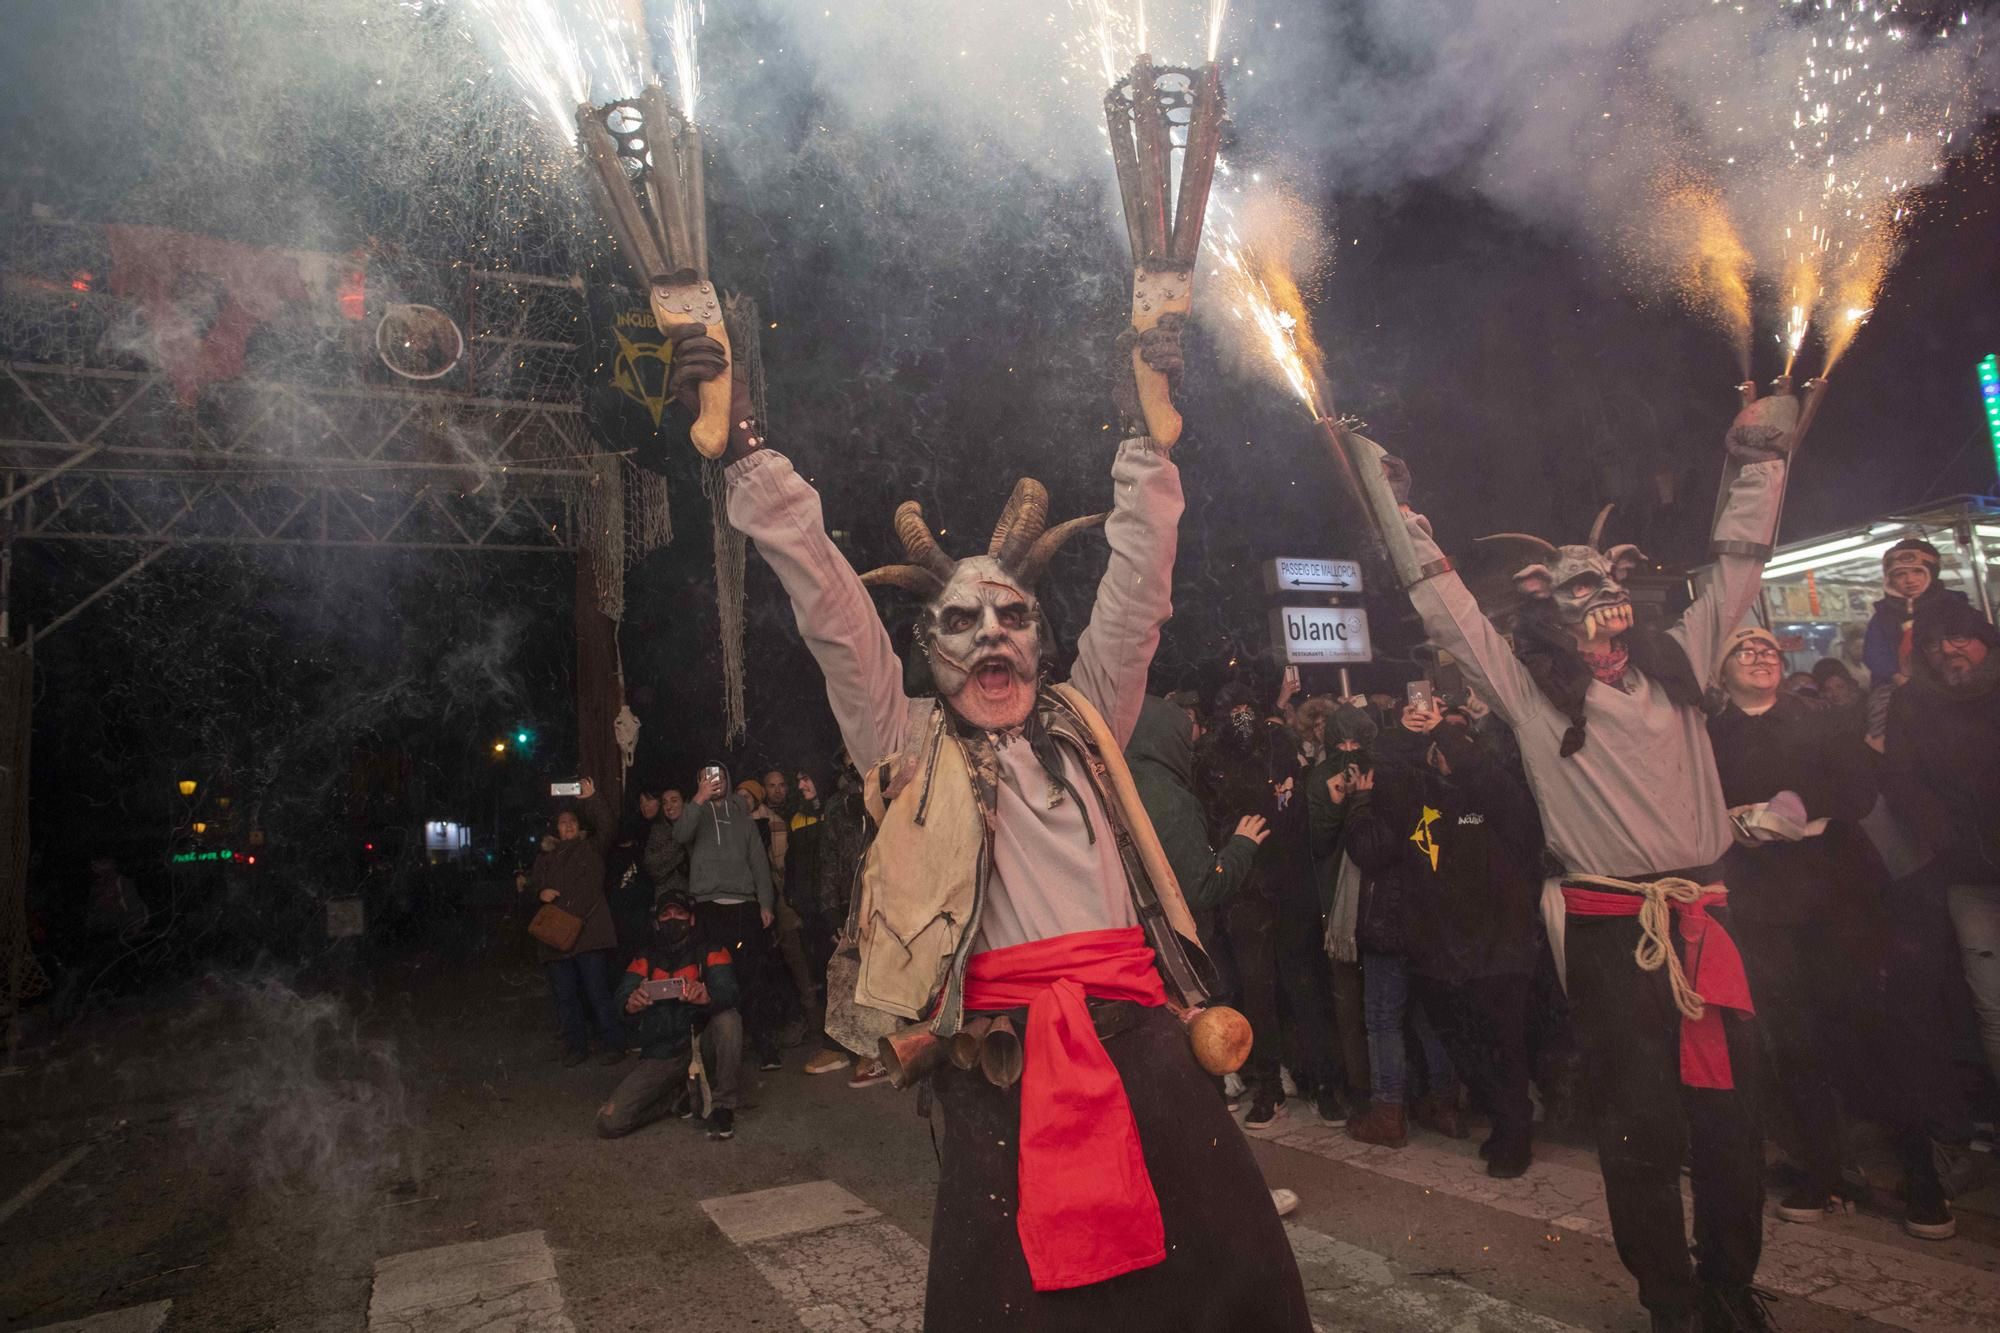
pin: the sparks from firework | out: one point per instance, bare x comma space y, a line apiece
1871, 115
1217, 11
682, 32
1253, 283
566, 54
1712, 266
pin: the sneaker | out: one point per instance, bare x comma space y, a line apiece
1265, 1113
867, 1073
1284, 1201
571, 1059
722, 1123
767, 1063
1332, 1106
829, 1062
1806, 1205
1930, 1219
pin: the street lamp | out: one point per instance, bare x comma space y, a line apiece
187, 786
499, 747
199, 828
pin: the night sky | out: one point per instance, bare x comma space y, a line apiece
940, 314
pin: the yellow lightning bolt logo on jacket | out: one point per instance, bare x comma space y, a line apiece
1422, 837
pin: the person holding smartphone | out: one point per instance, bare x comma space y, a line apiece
729, 880
681, 987
569, 873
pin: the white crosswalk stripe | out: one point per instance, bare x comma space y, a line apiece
831, 1257
1353, 1288
843, 1269
505, 1285
1834, 1263
132, 1319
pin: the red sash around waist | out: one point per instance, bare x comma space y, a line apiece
1712, 965
1088, 1211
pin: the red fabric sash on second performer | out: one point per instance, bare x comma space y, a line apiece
1088, 1211
1713, 967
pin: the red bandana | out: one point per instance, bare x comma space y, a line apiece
1608, 665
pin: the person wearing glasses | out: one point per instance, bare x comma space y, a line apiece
1806, 909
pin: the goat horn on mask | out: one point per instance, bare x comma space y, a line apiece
1021, 522
1023, 543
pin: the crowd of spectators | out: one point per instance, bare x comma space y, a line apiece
1368, 875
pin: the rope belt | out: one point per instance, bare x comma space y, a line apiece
1706, 951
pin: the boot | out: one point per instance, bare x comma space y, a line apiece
1735, 1309
1381, 1123
1439, 1111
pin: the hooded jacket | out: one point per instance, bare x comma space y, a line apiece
1452, 860
1161, 755
1941, 757
725, 850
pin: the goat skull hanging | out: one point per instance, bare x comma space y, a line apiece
1586, 585
982, 627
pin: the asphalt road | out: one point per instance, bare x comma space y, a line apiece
410, 1156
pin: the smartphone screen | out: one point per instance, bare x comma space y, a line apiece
672, 988
565, 789
1422, 694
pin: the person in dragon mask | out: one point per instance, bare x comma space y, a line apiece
1608, 713
1016, 897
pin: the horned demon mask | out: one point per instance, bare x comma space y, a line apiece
1585, 584
982, 626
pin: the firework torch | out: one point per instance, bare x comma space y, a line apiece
1141, 112
646, 171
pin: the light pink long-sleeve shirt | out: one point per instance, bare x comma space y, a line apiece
1642, 795
1048, 878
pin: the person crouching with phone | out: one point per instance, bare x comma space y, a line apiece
680, 987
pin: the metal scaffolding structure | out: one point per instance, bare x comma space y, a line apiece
113, 454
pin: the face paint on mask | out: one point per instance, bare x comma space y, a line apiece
985, 645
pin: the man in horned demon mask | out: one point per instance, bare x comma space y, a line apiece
1609, 718
1016, 910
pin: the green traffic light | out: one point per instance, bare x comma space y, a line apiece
520, 738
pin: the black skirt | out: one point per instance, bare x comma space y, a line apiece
1228, 1265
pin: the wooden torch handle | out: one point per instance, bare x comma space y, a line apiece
710, 431
1158, 291
1163, 421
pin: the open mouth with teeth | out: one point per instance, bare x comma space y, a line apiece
994, 678
1607, 621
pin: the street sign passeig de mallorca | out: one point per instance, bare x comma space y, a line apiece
1293, 573
1337, 635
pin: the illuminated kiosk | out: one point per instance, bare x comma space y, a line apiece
1816, 587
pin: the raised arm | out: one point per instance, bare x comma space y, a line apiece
1453, 621
1743, 536
1135, 596
770, 503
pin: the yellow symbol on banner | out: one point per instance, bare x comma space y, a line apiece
1422, 837
640, 370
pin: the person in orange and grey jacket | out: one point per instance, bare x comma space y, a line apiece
570, 874
666, 1029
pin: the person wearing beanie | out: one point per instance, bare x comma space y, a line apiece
1909, 580
1941, 762
1807, 909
